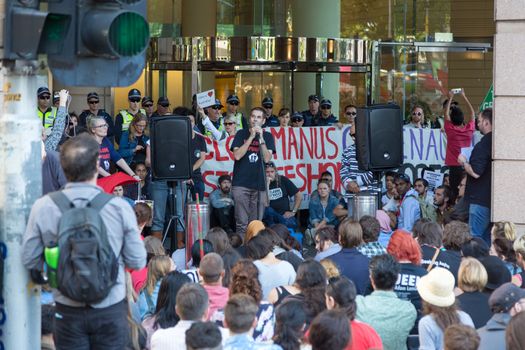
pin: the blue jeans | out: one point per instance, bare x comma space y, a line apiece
159, 194
271, 217
479, 221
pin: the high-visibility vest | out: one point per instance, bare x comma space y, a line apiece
220, 128
47, 117
128, 117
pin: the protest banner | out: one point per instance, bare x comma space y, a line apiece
303, 154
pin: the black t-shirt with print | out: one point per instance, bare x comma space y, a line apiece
249, 171
279, 195
405, 287
448, 259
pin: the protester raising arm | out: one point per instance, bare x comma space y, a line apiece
52, 141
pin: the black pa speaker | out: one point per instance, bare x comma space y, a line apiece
170, 148
379, 137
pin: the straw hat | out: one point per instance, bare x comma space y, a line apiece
437, 287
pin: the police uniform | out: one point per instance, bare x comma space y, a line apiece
47, 117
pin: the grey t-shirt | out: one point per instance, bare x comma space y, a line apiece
53, 177
271, 276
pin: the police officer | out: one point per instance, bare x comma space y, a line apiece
163, 107
326, 118
213, 119
232, 106
93, 102
46, 112
271, 119
147, 105
125, 116
313, 112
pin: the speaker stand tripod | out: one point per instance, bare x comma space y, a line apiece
174, 217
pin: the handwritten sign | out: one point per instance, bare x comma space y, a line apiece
206, 98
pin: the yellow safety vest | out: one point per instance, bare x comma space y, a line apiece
128, 117
220, 128
47, 117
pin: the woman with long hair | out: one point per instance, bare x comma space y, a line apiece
133, 141
439, 307
244, 280
284, 117
158, 267
341, 295
165, 315
281, 249
290, 322
98, 128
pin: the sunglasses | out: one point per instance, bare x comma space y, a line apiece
417, 113
165, 105
92, 102
233, 103
326, 107
148, 105
295, 120
270, 165
229, 123
46, 97
216, 107
351, 113
134, 99
268, 106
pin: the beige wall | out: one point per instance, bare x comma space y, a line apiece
509, 91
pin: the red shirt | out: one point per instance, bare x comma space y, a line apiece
457, 138
364, 337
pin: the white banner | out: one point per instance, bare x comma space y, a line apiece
303, 154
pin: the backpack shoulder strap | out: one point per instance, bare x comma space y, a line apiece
63, 203
100, 200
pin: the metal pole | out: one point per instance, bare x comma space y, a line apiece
20, 186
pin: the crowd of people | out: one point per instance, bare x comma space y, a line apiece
427, 271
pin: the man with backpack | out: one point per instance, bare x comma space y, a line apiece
85, 238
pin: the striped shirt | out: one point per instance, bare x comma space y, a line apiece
350, 171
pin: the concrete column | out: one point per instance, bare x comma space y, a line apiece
313, 18
205, 24
509, 91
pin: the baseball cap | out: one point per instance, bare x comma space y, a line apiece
326, 102
43, 90
267, 101
163, 101
403, 177
133, 93
146, 99
56, 96
232, 99
270, 165
313, 98
225, 178
91, 95
218, 103
504, 297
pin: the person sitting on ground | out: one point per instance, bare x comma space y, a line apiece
442, 197
309, 288
330, 331
291, 243
519, 248
350, 262
455, 234
158, 267
425, 198
165, 315
439, 307
407, 253
514, 333
194, 263
272, 271
371, 228
503, 235
119, 192
140, 191
472, 278
221, 201
326, 243
330, 268
321, 208
505, 302
371, 309
385, 232
475, 247
341, 295
430, 238
409, 208
240, 318
290, 321
498, 274
281, 250
191, 305
153, 247
222, 246
327, 177
203, 336
245, 280
461, 337
211, 270
280, 189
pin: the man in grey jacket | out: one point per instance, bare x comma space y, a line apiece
78, 325
505, 302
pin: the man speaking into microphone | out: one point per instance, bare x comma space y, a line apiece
251, 149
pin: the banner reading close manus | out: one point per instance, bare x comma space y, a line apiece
303, 154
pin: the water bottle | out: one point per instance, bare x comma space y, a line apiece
51, 256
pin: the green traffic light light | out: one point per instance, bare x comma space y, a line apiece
129, 34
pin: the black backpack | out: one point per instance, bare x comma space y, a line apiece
87, 267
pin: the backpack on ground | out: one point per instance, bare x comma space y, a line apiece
87, 266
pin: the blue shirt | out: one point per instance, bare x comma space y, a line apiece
409, 211
354, 265
246, 342
322, 121
319, 213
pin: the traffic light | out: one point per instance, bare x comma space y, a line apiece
28, 31
106, 44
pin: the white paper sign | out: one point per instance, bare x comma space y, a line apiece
206, 98
434, 178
